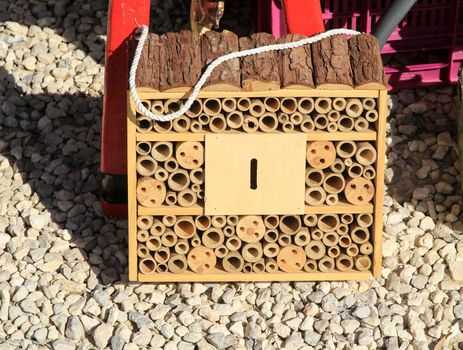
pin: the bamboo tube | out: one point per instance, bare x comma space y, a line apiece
320, 154
171, 165
342, 229
229, 104
361, 124
365, 220
169, 239
257, 108
143, 148
345, 123
344, 263
369, 103
326, 264
250, 229
162, 151
169, 220
371, 116
150, 192
232, 220
195, 110
213, 238
212, 106
323, 105
355, 170
352, 250
334, 116
317, 234
296, 118
362, 263
158, 228
171, 198
204, 119
305, 105
307, 124
147, 266
229, 231
310, 266
271, 266
347, 218
197, 176
178, 180
203, 222
291, 258
330, 239
181, 124
271, 235
315, 196
219, 221
366, 153
369, 172
288, 127
200, 194
250, 124
346, 149
315, 250
144, 222
144, 124
162, 127
233, 262
360, 235
328, 222
271, 221
243, 104
172, 105
142, 251
233, 243
268, 122
196, 188
177, 263
146, 165
320, 121
162, 255
195, 241
247, 268
366, 248
161, 174
359, 191
190, 154
334, 251
345, 241
283, 118
290, 224
185, 227
235, 119
332, 199
354, 107
271, 250
310, 220
284, 240
339, 104
259, 266
142, 235
162, 268
157, 107
182, 246
201, 259
187, 198
302, 238
221, 251
218, 123
288, 105
272, 104
334, 183
332, 127
196, 126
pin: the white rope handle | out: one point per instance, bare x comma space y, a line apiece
276, 47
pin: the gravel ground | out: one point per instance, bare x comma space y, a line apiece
63, 281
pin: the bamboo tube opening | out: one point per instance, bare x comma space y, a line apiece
144, 222
161, 127
363, 263
323, 105
315, 196
195, 241
369, 103
184, 227
213, 238
366, 248
344, 241
371, 116
162, 268
315, 250
187, 198
365, 220
284, 240
147, 266
196, 126
366, 153
233, 243
296, 118
342, 229
283, 118
328, 222
157, 107
288, 127
338, 166
244, 104
201, 259
271, 235
232, 220
320, 154
203, 222
272, 104
171, 165
197, 176
339, 103
178, 180
143, 148
361, 124
369, 172
352, 250
310, 266
305, 105
345, 123
250, 124
259, 266
196, 188
169, 220
168, 239
302, 238
317, 234
218, 123
290, 224
360, 235
326, 264
177, 263
334, 116
221, 251
171, 198
346, 149
330, 239
332, 127
355, 170
161, 174
142, 251
172, 105
288, 105
195, 109
268, 122
271, 221
334, 252
219, 221
271, 249
271, 266
142, 235
158, 228
233, 262
162, 255
247, 268
257, 108
229, 231
334, 183
212, 106
204, 119
307, 124
182, 246
354, 107
144, 124
344, 263
321, 121
310, 220
201, 194
229, 104
347, 218
235, 119
181, 124
162, 151
332, 199
146, 165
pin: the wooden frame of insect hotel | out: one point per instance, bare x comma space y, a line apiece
274, 174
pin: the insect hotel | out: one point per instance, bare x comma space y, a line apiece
275, 173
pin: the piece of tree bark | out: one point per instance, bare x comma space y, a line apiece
259, 72
331, 63
365, 59
179, 61
148, 68
296, 68
226, 77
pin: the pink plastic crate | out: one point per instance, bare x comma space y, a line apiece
432, 32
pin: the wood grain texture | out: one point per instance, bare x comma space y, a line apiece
296, 70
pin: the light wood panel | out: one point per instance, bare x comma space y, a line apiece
171, 210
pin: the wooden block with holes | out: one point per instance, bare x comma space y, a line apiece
275, 173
